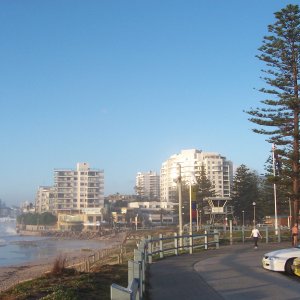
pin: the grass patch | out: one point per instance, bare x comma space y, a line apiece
70, 285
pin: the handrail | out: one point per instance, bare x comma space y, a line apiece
147, 248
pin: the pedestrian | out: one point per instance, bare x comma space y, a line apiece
255, 234
295, 235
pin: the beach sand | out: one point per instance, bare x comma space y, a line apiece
12, 275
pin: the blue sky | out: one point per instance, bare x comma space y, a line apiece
123, 85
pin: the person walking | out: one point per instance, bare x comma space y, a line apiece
295, 231
255, 234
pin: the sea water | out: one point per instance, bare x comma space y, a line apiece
16, 249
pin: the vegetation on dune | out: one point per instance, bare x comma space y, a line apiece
70, 285
67, 284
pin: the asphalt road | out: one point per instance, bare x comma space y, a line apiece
231, 272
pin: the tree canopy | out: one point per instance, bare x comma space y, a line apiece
278, 116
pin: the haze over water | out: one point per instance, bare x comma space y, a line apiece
16, 249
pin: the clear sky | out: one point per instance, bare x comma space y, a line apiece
123, 85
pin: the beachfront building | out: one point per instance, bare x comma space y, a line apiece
148, 185
154, 212
217, 168
76, 190
44, 199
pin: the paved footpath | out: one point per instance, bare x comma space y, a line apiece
232, 272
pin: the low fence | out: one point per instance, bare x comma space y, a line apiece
86, 263
152, 248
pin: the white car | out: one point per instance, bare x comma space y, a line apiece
281, 260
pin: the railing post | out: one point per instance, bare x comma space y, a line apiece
149, 250
161, 250
216, 238
142, 248
205, 240
243, 234
230, 232
87, 265
191, 243
135, 271
121, 254
267, 235
176, 243
139, 257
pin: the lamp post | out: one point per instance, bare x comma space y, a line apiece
178, 181
275, 193
191, 219
243, 212
254, 204
192, 182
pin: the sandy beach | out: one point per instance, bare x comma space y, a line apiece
11, 275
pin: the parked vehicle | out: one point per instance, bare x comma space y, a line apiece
281, 260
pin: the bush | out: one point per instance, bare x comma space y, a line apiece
59, 265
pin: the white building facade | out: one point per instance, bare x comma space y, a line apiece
148, 185
44, 199
78, 189
218, 170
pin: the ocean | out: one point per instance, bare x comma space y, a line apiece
16, 249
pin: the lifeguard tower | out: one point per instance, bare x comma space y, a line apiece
218, 208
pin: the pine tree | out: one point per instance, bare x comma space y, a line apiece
283, 189
205, 187
245, 191
279, 115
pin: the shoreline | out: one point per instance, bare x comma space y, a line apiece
14, 274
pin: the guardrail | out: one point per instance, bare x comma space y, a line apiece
152, 248
242, 234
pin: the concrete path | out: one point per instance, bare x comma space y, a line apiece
231, 272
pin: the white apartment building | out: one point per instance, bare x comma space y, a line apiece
44, 199
148, 185
78, 189
218, 170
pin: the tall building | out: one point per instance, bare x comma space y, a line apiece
148, 185
44, 199
78, 189
218, 170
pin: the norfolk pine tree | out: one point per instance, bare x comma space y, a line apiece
245, 191
279, 115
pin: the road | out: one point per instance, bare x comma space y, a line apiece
230, 273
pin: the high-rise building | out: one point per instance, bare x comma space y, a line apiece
218, 170
148, 185
78, 189
44, 199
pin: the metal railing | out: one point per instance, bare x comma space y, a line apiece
157, 248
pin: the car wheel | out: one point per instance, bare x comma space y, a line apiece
288, 266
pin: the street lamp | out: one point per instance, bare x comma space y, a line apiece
254, 204
192, 181
275, 193
177, 179
243, 212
